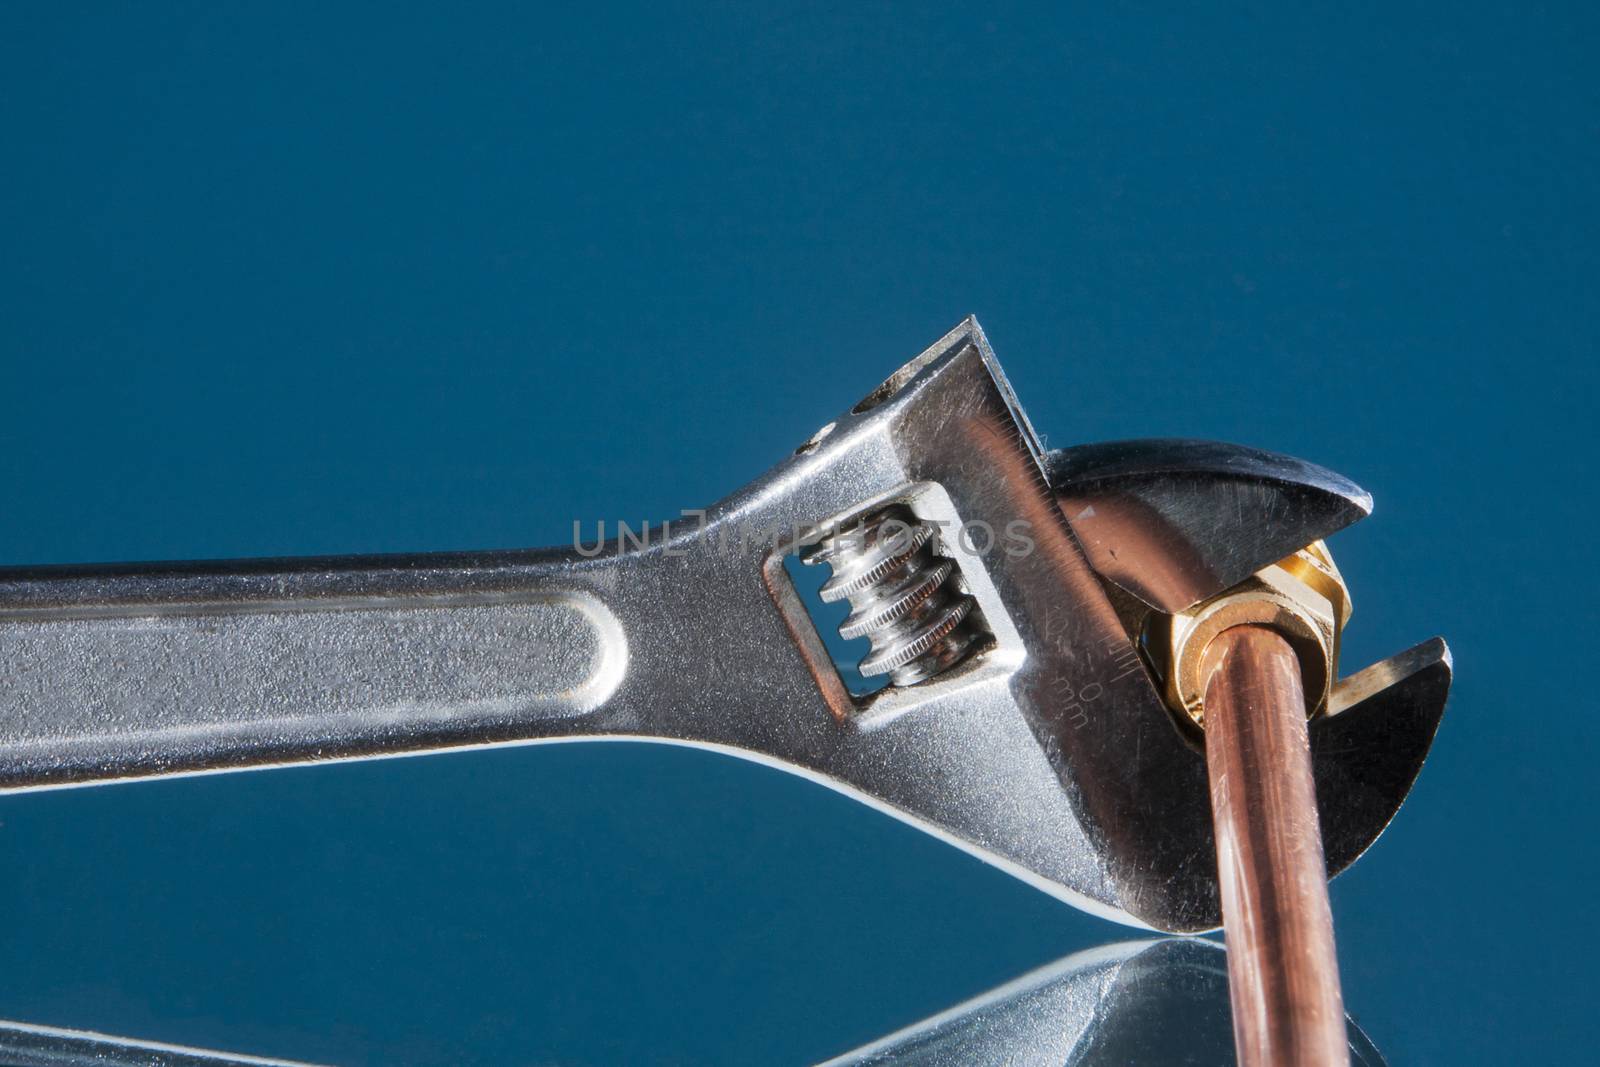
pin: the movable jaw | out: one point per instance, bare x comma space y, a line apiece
1024, 723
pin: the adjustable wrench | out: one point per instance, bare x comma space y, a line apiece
1025, 720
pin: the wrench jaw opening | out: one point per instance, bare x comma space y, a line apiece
1173, 525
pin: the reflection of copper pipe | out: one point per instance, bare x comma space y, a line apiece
1133, 544
1287, 1008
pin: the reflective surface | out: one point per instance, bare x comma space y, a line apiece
283, 283
1119, 1005
27, 1045
1174, 521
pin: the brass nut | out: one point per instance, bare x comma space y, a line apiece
1302, 596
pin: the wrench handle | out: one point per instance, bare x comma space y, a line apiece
171, 668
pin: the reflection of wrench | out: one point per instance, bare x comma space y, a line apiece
1023, 725
22, 1045
1134, 1003
1137, 1002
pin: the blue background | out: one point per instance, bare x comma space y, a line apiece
284, 279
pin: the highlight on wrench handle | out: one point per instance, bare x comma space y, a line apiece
173, 668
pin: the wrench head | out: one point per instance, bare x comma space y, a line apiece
1049, 751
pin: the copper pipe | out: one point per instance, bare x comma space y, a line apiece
1282, 971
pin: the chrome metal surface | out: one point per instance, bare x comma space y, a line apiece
24, 1045
1140, 1002
1176, 521
1365, 753
1048, 752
